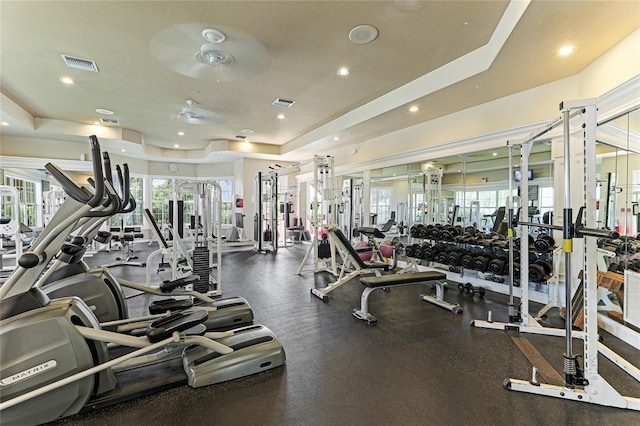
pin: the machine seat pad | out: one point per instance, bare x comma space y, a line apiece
370, 231
168, 286
179, 321
397, 279
164, 305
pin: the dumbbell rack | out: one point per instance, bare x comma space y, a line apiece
448, 256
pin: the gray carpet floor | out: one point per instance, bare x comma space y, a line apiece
420, 365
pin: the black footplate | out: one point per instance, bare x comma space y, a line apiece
164, 305
165, 327
168, 285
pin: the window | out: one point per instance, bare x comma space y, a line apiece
160, 196
381, 203
28, 207
226, 185
134, 218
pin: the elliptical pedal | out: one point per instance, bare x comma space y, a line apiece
255, 349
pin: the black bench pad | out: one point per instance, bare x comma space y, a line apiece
396, 279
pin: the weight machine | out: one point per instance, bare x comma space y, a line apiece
266, 218
207, 200
324, 214
581, 383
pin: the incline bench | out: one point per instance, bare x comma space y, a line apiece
385, 281
350, 258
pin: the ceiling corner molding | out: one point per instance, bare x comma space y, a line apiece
16, 112
468, 65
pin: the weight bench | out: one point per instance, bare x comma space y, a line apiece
350, 258
385, 281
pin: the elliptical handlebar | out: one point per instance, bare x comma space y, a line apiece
125, 183
113, 202
97, 172
72, 189
107, 167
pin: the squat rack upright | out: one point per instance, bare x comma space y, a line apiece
584, 383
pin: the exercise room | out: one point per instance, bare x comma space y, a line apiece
396, 212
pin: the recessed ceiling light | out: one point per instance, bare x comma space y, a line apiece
4, 123
104, 111
566, 50
495, 154
281, 116
414, 109
247, 131
344, 71
181, 133
336, 138
66, 80
123, 150
175, 145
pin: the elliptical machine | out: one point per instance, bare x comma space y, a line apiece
55, 356
102, 291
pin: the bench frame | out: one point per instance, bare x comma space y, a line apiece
351, 259
437, 299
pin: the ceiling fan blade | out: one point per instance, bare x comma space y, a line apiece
176, 48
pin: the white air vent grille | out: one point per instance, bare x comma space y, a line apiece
632, 297
283, 103
240, 137
109, 121
81, 64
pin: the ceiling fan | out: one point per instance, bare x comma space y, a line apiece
197, 50
192, 115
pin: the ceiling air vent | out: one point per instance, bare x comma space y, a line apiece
81, 64
240, 137
109, 121
283, 103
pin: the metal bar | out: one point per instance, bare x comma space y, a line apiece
567, 247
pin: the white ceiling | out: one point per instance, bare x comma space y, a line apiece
443, 56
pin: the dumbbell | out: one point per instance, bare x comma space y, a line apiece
467, 261
408, 251
471, 289
498, 266
481, 263
455, 257
544, 243
415, 230
539, 270
442, 257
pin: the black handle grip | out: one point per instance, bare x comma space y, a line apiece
97, 172
130, 204
107, 166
